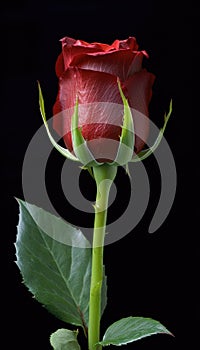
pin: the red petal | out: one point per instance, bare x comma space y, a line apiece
136, 64
97, 46
103, 47
129, 43
67, 41
91, 86
65, 99
72, 47
69, 52
139, 89
122, 63
59, 65
100, 105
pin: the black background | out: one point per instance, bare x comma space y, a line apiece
148, 275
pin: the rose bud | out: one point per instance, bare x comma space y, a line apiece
101, 110
89, 74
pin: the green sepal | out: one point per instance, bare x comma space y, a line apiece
65, 152
80, 147
147, 152
64, 339
127, 138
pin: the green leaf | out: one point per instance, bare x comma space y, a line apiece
147, 152
57, 274
131, 329
55, 261
64, 151
63, 339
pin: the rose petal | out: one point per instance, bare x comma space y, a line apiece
67, 41
59, 65
104, 47
97, 86
136, 64
69, 52
139, 87
122, 63
97, 46
100, 105
129, 43
72, 47
139, 90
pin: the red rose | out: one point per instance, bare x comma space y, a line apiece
91, 72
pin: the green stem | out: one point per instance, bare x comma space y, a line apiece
104, 176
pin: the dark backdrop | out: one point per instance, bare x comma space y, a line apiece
148, 275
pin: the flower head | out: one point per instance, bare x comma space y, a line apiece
91, 73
